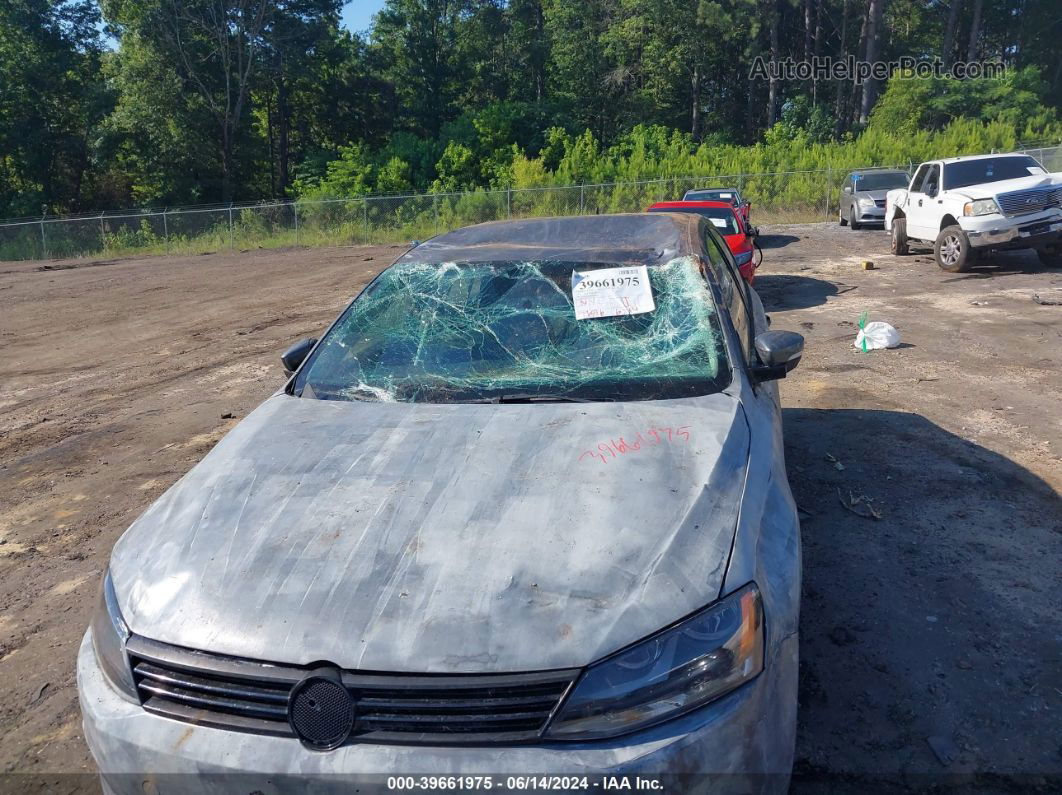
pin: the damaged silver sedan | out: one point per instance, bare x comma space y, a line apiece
521, 511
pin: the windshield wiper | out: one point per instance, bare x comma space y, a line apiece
537, 398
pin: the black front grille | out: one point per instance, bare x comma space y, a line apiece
247, 695
1023, 202
879, 202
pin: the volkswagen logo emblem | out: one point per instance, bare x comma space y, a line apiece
321, 710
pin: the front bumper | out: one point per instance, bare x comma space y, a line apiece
741, 743
870, 215
998, 232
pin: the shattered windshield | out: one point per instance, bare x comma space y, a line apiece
508, 331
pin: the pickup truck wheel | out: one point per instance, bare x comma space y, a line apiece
1051, 256
952, 250
852, 222
899, 237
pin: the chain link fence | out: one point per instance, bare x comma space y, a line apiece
778, 197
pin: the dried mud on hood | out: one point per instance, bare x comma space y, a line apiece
440, 538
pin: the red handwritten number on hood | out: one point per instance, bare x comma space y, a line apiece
651, 437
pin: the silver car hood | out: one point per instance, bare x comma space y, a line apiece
440, 538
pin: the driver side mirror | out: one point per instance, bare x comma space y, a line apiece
779, 352
847, 188
296, 355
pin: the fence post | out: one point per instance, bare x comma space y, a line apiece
295, 210
509, 202
582, 198
435, 211
365, 211
829, 184
166, 229
230, 226
44, 240
103, 234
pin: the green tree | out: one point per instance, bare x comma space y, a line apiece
583, 79
457, 169
52, 100
292, 64
158, 146
417, 44
352, 174
910, 104
214, 47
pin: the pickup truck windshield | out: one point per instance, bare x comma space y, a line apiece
880, 181
989, 169
499, 331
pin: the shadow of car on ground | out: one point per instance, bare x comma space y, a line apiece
1005, 263
929, 637
780, 292
767, 241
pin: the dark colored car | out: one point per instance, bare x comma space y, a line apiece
730, 195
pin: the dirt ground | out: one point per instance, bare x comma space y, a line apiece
931, 636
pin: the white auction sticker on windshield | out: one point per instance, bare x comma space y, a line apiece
720, 222
611, 292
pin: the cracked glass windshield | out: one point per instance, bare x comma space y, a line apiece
508, 332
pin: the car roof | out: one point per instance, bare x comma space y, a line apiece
635, 238
700, 190
964, 158
876, 171
692, 205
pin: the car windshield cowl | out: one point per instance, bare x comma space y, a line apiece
539, 398
507, 332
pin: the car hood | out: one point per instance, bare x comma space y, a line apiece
992, 189
440, 538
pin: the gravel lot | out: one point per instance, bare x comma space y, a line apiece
931, 637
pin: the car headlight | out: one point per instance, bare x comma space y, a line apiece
743, 258
980, 207
668, 674
109, 634
865, 202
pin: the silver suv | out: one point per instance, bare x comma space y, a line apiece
863, 196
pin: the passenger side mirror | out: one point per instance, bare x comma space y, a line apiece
779, 352
296, 355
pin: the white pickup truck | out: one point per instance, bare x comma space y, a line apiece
965, 206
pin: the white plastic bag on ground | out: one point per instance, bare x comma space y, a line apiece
877, 335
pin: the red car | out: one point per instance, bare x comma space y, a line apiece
728, 222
